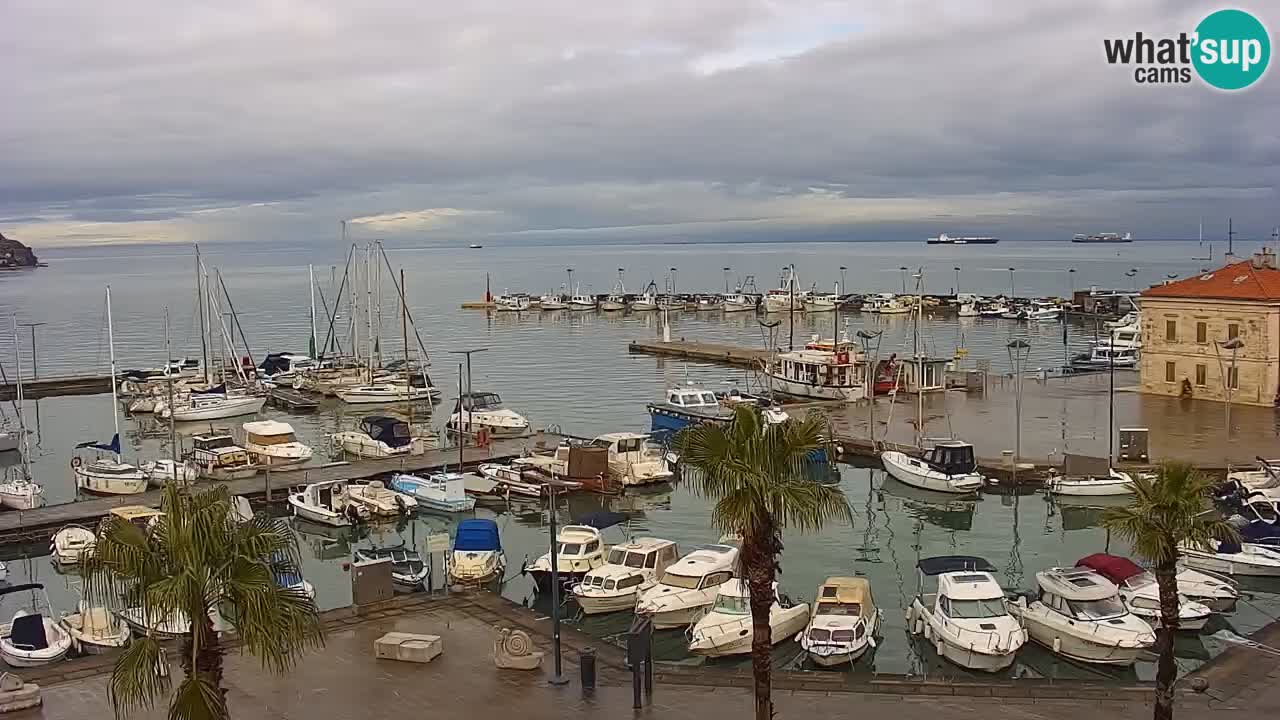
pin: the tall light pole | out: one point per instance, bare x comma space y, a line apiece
791, 306
903, 271
1071, 281
843, 270
1233, 344
1012, 290
726, 280
957, 269
1019, 352
557, 678
873, 353
673, 281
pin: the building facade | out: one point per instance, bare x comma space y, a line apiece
1215, 335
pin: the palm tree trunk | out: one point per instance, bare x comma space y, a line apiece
209, 658
1166, 670
758, 564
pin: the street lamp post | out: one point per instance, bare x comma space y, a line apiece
462, 407
556, 678
1012, 291
1228, 381
843, 270
1131, 274
1019, 352
726, 281
673, 281
957, 269
1071, 281
873, 367
791, 306
903, 271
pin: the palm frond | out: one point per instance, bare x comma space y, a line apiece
1168, 511
135, 684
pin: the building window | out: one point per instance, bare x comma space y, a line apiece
1202, 332
1233, 331
1171, 330
1170, 371
1200, 375
1233, 378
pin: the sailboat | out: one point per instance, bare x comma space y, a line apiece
109, 475
949, 466
21, 493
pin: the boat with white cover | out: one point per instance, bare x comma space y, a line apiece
948, 467
32, 638
1141, 593
1114, 483
965, 619
727, 630
273, 444
70, 543
476, 556
327, 503
1079, 614
1231, 558
381, 500
443, 491
844, 623
378, 436
95, 629
477, 410
579, 550
688, 587
629, 569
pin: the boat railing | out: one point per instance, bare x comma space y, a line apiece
990, 640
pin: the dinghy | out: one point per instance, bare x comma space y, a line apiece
1230, 558
95, 630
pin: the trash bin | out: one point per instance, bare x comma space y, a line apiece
587, 663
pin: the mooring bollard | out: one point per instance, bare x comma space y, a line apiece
587, 664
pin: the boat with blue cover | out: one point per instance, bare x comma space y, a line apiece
477, 555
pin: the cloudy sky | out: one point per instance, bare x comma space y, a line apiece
429, 121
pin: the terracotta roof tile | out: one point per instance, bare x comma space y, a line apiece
1238, 281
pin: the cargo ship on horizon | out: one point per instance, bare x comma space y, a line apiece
945, 239
1103, 238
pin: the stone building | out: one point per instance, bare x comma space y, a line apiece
1188, 326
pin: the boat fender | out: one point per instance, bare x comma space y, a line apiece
1057, 644
928, 632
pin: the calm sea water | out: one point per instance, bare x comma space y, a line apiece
573, 370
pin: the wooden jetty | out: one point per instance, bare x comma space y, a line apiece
56, 385
292, 401
30, 526
735, 355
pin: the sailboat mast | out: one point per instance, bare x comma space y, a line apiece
377, 293
368, 308
22, 418
915, 349
311, 275
204, 344
111, 343
404, 336
173, 430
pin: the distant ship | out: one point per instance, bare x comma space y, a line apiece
475, 246
1103, 238
945, 239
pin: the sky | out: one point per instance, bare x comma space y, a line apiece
423, 121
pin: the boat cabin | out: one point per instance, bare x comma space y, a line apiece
692, 398
952, 457
844, 596
325, 494
217, 451
577, 541
388, 430
478, 402
923, 374
1080, 594
970, 595
707, 567
823, 368
644, 554
626, 446
269, 432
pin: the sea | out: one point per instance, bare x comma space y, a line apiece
573, 372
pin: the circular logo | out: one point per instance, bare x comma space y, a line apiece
1232, 49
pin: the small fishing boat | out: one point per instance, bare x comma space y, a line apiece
381, 500
579, 550
1079, 614
327, 503
160, 472
844, 623
646, 301
739, 302
552, 301
218, 457
821, 302
95, 629
994, 309
33, 638
476, 557
512, 303
1231, 558
1041, 311
581, 302
477, 410
727, 629
379, 436
966, 618
688, 587
1141, 593
408, 571
273, 444
1114, 483
629, 569
968, 309
632, 460
387, 392
444, 491
70, 544
709, 303
948, 467
685, 406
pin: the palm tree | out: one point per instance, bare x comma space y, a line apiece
755, 473
199, 561
1167, 512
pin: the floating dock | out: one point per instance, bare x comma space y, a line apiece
735, 355
293, 401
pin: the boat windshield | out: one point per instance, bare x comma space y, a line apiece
984, 608
616, 556
835, 608
264, 440
684, 582
635, 560
1104, 609
733, 605
569, 549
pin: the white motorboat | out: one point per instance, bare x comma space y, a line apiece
199, 407
1079, 614
512, 303
1141, 593
581, 302
688, 587
629, 569
387, 392
327, 503
739, 302
965, 619
1115, 483
218, 457
886, 304
1235, 559
444, 491
632, 460
579, 550
1131, 319
477, 410
726, 629
160, 472
968, 309
994, 309
552, 301
614, 303
21, 492
646, 301
272, 443
948, 467
381, 500
71, 543
512, 480
105, 476
379, 436
844, 623
670, 303
821, 371
1103, 356
1040, 311
476, 556
33, 638
95, 629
